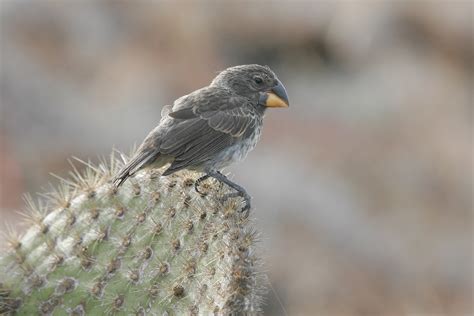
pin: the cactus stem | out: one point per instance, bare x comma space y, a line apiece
154, 244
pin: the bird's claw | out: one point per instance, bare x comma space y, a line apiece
239, 191
246, 208
198, 182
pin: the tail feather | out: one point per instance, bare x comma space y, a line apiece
141, 159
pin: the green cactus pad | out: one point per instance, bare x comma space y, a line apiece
154, 246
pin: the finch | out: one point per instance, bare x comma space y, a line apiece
212, 127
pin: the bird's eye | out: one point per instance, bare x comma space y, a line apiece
258, 80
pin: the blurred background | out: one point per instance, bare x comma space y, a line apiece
361, 189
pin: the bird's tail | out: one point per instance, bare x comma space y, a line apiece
139, 161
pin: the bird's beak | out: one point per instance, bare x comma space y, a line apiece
275, 97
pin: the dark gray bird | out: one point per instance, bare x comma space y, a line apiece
212, 127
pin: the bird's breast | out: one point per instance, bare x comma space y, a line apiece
239, 150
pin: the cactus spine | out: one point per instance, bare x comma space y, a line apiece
152, 247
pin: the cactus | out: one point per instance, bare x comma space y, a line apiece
153, 246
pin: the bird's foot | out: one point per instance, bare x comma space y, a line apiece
246, 208
239, 191
198, 183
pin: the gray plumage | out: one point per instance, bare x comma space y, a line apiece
209, 128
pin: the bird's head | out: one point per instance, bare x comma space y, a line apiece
254, 81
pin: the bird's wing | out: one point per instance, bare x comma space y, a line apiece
200, 143
204, 125
234, 121
222, 111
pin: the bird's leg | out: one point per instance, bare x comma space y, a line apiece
240, 191
199, 181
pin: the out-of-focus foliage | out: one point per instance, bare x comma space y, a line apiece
361, 188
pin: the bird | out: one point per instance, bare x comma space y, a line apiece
212, 127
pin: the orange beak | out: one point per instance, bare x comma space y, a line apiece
276, 97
